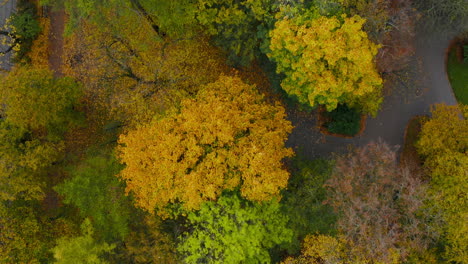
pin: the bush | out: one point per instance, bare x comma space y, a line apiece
343, 120
26, 26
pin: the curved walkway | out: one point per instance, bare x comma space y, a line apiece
426, 86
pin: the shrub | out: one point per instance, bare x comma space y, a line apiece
343, 120
26, 27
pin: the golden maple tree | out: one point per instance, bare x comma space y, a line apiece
226, 137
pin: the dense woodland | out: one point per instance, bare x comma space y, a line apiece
162, 136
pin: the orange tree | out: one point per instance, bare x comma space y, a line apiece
226, 137
327, 61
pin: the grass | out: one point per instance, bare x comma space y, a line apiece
458, 76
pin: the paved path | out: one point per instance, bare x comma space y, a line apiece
7, 8
428, 84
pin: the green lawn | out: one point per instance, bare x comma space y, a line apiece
458, 76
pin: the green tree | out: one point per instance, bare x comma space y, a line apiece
25, 160
21, 30
25, 25
99, 195
34, 99
82, 249
443, 143
238, 26
327, 61
170, 18
232, 230
303, 199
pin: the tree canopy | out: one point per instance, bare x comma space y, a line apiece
95, 190
25, 160
327, 61
81, 249
444, 144
232, 230
226, 137
35, 99
25, 234
379, 204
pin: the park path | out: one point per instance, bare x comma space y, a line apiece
7, 8
426, 85
57, 24
52, 200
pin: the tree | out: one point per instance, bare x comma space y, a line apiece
326, 61
379, 203
232, 230
34, 99
21, 29
149, 243
82, 249
25, 159
224, 138
175, 18
99, 195
131, 73
444, 14
238, 26
303, 199
164, 18
25, 235
443, 143
322, 249
375, 12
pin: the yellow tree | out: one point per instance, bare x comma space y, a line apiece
24, 162
34, 99
132, 72
226, 137
323, 249
327, 61
444, 144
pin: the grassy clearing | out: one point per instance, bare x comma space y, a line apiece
458, 76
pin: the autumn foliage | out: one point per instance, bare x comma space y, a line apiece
226, 137
379, 203
327, 62
444, 143
34, 99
